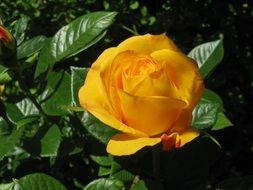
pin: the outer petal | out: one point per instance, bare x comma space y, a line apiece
152, 115
104, 61
125, 144
188, 136
147, 43
184, 72
93, 97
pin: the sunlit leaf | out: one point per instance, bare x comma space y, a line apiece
222, 122
30, 47
74, 38
7, 143
5, 75
50, 142
8, 186
19, 110
4, 128
99, 130
20, 28
205, 114
213, 97
103, 171
57, 94
140, 185
102, 160
77, 79
102, 184
38, 181
208, 56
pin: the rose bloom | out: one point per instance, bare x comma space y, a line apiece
146, 88
6, 38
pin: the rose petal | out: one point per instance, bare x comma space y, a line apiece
184, 73
155, 84
125, 144
152, 114
147, 43
93, 97
188, 136
183, 121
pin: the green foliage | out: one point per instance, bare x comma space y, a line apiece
56, 94
140, 185
30, 47
208, 55
38, 115
20, 110
36, 181
5, 75
7, 142
50, 142
77, 79
74, 38
101, 184
208, 114
205, 114
99, 130
42, 127
20, 28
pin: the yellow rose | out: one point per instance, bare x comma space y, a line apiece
146, 88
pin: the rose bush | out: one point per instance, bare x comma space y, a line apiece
146, 88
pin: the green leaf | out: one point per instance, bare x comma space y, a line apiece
20, 28
99, 130
73, 38
4, 128
222, 122
50, 142
116, 167
102, 184
19, 110
102, 171
30, 47
8, 142
57, 94
123, 175
102, 160
5, 75
213, 97
140, 185
28, 120
8, 186
39, 181
208, 56
134, 5
77, 79
205, 114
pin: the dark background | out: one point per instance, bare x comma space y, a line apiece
188, 23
